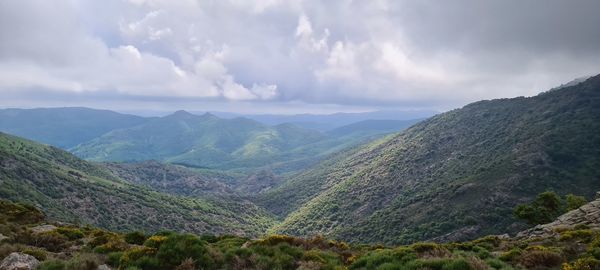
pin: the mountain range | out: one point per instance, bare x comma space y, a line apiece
63, 127
456, 175
453, 176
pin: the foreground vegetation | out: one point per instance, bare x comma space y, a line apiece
83, 247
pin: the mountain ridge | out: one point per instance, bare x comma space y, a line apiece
482, 159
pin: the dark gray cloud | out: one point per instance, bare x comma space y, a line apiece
335, 54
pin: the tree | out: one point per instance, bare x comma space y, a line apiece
545, 208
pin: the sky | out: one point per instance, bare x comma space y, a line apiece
292, 56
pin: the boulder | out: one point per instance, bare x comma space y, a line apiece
103, 267
19, 261
43, 228
588, 215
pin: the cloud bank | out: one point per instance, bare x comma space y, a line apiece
434, 54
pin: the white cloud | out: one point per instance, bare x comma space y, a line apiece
337, 52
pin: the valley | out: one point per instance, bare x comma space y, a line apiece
456, 176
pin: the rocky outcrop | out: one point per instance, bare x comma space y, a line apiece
43, 228
587, 215
103, 267
19, 261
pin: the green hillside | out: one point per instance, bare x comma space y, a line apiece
70, 189
63, 127
456, 175
202, 141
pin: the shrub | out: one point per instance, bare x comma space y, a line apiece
83, 261
430, 250
574, 202
276, 239
70, 233
187, 264
378, 258
114, 258
583, 264
39, 254
155, 241
583, 235
6, 249
114, 244
177, 248
19, 213
130, 256
100, 238
52, 241
459, 264
595, 251
135, 237
496, 263
52, 265
488, 242
140, 257
540, 258
511, 255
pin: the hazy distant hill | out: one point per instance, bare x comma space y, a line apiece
459, 173
70, 189
370, 127
327, 122
198, 140
63, 127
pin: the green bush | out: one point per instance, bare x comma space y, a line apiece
511, 255
176, 248
378, 258
70, 233
39, 254
496, 263
541, 259
574, 202
114, 258
582, 235
83, 261
52, 265
135, 237
52, 241
114, 244
583, 264
155, 241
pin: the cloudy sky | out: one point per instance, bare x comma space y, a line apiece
276, 56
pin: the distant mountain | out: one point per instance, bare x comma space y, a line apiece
327, 122
63, 127
199, 140
457, 174
69, 189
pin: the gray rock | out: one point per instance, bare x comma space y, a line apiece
19, 261
43, 228
588, 214
103, 267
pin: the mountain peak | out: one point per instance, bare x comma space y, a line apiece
181, 113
